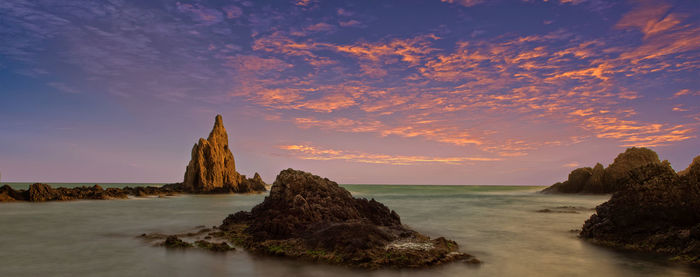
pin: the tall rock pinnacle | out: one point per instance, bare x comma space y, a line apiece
212, 166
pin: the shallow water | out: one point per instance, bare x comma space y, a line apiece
499, 225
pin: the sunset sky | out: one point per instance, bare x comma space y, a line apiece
400, 92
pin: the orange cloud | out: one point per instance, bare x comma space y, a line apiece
328, 103
411, 51
650, 18
553, 77
309, 152
340, 124
633, 133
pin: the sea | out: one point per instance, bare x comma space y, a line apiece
500, 225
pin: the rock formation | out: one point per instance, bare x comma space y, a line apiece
656, 211
312, 218
211, 170
212, 166
42, 192
606, 180
694, 164
309, 217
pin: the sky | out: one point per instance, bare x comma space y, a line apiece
458, 92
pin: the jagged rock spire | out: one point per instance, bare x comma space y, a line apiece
212, 165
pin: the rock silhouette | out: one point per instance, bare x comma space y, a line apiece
606, 180
656, 211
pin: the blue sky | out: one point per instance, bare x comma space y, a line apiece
427, 92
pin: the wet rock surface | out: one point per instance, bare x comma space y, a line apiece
657, 211
312, 218
606, 180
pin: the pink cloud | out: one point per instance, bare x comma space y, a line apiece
233, 12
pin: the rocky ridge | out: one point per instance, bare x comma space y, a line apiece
606, 180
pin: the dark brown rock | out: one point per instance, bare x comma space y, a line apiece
175, 242
252, 184
657, 211
213, 246
608, 180
694, 167
312, 218
8, 194
42, 192
596, 183
616, 174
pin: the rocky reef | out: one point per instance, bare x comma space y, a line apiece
312, 218
42, 192
606, 180
211, 170
656, 211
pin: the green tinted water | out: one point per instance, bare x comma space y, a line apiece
499, 225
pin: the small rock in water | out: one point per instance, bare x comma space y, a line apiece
175, 242
216, 247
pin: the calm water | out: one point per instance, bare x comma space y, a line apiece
497, 224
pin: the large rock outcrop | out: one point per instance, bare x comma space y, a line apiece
606, 180
212, 168
312, 218
656, 211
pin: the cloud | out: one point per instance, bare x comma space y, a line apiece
344, 12
411, 50
232, 11
650, 18
63, 87
350, 23
304, 3
201, 14
466, 3
320, 27
495, 93
255, 64
310, 152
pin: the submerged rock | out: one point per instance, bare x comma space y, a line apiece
657, 211
312, 218
606, 180
213, 246
175, 242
